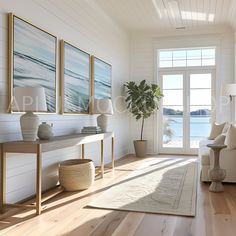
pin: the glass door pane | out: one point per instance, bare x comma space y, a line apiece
172, 123
187, 110
200, 107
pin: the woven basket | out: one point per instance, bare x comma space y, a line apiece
76, 174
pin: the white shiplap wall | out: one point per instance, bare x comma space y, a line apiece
143, 66
81, 23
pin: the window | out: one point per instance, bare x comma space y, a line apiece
187, 78
200, 106
172, 105
187, 57
186, 109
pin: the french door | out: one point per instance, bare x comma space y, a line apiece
186, 109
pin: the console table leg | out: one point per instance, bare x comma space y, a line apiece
102, 159
82, 150
2, 180
112, 154
39, 180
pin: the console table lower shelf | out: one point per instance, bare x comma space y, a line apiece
39, 147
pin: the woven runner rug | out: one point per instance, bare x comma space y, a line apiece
162, 185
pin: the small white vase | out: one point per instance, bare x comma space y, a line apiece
45, 131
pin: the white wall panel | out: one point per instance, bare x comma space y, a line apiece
81, 23
143, 66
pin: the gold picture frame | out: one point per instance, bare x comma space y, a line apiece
75, 77
100, 89
31, 61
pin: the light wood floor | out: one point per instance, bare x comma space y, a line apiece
66, 214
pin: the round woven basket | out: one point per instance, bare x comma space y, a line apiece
76, 174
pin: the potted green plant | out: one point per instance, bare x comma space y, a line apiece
142, 101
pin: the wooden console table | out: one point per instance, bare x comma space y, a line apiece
40, 146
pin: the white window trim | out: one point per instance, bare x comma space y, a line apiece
182, 42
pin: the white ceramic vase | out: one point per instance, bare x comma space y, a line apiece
45, 131
102, 122
29, 123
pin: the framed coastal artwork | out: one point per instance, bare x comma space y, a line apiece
75, 79
32, 59
101, 76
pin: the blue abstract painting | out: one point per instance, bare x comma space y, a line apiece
76, 80
102, 79
34, 59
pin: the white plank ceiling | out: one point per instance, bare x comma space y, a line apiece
141, 15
